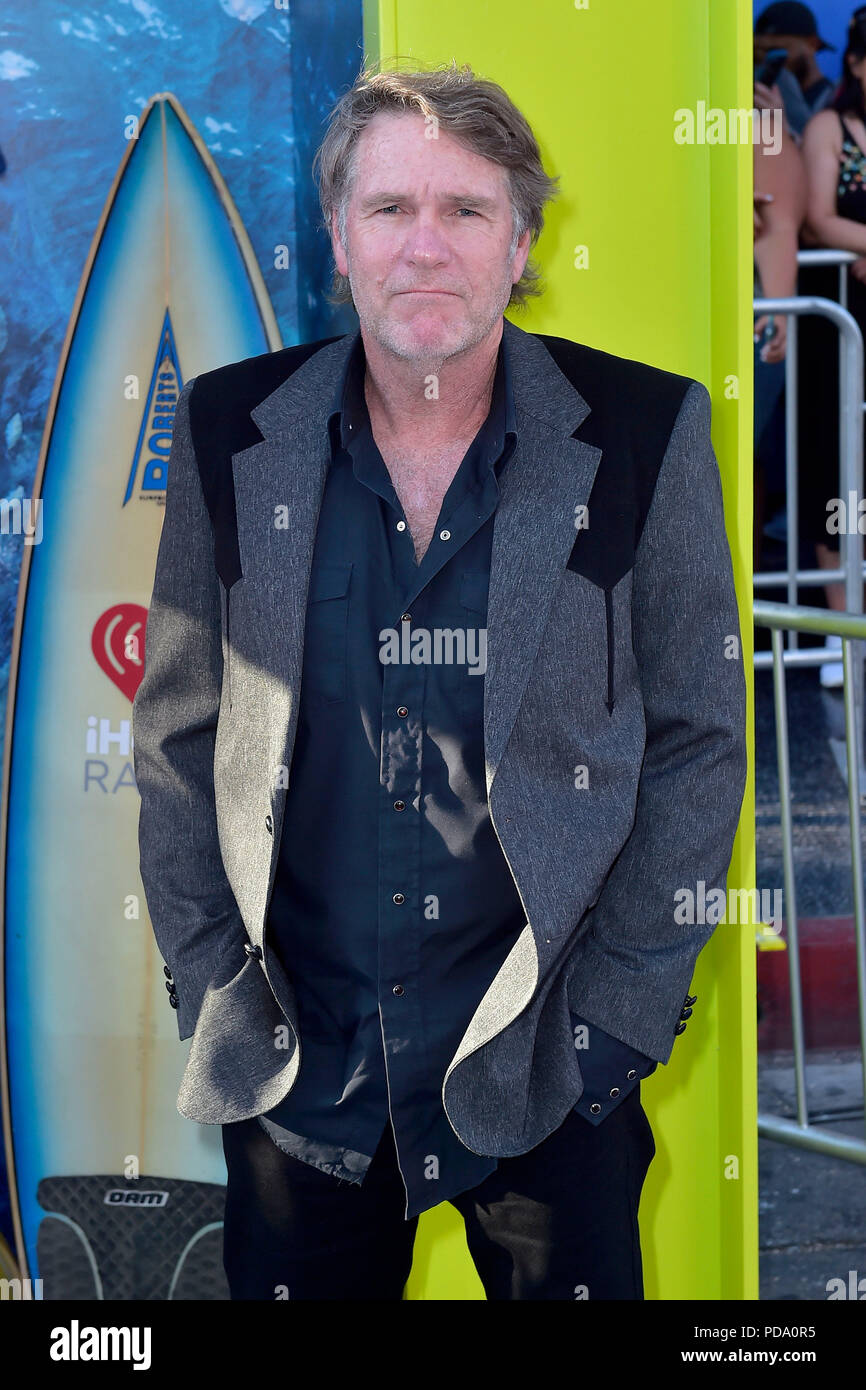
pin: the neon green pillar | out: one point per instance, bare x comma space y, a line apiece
647, 253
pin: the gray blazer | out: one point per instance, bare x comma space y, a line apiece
614, 720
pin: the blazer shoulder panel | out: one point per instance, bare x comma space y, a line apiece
220, 425
634, 407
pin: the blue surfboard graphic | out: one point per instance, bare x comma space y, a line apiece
90, 1060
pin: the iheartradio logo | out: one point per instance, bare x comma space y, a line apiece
117, 642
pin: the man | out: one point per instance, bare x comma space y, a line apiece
443, 704
804, 87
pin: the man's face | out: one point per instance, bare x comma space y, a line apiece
799, 50
427, 215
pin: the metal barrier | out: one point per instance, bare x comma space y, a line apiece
851, 406
851, 628
824, 255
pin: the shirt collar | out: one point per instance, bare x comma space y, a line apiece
349, 417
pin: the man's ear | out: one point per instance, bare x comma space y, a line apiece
339, 251
522, 248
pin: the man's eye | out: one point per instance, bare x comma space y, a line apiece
471, 211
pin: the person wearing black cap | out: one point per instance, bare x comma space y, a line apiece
805, 89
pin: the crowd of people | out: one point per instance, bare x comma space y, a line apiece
810, 191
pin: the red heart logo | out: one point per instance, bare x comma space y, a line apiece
117, 642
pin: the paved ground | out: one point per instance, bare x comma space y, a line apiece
812, 1207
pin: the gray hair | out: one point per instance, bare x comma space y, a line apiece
474, 111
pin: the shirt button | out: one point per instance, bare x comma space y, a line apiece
401, 526
406, 618
399, 806
398, 989
630, 1075
595, 1108
398, 898
614, 1091
444, 535
402, 711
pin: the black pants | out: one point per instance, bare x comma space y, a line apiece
559, 1222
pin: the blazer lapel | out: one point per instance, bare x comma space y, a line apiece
278, 490
547, 478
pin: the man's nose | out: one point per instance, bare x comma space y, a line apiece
426, 241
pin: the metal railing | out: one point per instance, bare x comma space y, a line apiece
780, 617
851, 408
794, 618
851, 569
825, 255
850, 439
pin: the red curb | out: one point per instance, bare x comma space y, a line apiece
828, 974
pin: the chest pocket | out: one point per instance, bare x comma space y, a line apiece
470, 675
327, 633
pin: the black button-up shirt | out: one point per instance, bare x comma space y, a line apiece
393, 906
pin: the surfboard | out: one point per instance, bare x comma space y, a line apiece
113, 1193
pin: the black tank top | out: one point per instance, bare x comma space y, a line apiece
851, 187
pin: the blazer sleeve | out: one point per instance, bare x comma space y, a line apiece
196, 920
610, 1069
633, 962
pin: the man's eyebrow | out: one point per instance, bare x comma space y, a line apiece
465, 200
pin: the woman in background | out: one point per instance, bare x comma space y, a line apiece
780, 206
834, 152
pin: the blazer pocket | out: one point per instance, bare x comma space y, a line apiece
601, 597
327, 632
226, 595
